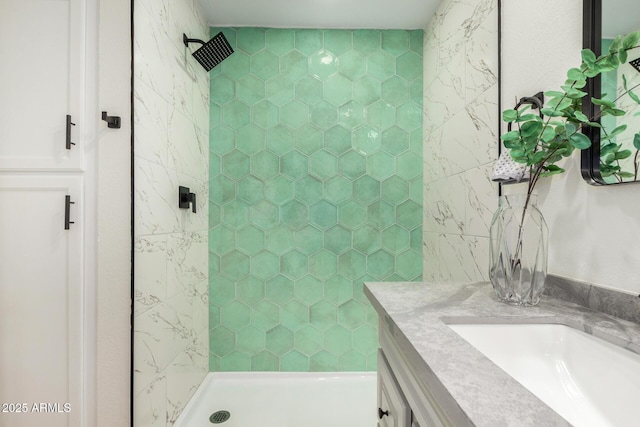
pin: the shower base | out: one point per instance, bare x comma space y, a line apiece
279, 399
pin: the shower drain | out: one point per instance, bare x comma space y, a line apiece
219, 417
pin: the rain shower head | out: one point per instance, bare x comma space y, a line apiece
635, 64
212, 52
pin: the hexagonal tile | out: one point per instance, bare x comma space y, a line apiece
380, 115
236, 65
265, 265
293, 164
264, 114
337, 90
352, 214
415, 40
352, 164
279, 240
323, 64
308, 41
308, 239
416, 239
395, 91
279, 40
235, 361
323, 214
337, 140
381, 65
236, 114
223, 90
395, 239
416, 91
309, 90
395, 41
250, 189
380, 264
415, 141
222, 341
337, 239
352, 65
250, 290
214, 214
337, 189
222, 140
366, 140
265, 361
250, 340
294, 114
366, 90
366, 41
308, 289
322, 315
221, 189
250, 89
294, 315
235, 214
294, 214
323, 361
358, 290
235, 264
409, 165
223, 290
366, 189
365, 339
409, 214
323, 165
322, 264
250, 39
308, 340
279, 340
278, 190
337, 41
264, 214
294, 265
235, 164
279, 90
265, 64
337, 340
250, 240
280, 140
381, 215
409, 116
352, 361
352, 314
308, 190
215, 114
323, 114
395, 190
381, 165
222, 239
351, 115
235, 315
409, 265
409, 66
294, 361
308, 139
264, 315
250, 139
293, 65
338, 290
264, 165
351, 265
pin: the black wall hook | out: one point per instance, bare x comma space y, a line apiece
113, 122
186, 198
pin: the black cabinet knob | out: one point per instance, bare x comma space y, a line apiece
382, 413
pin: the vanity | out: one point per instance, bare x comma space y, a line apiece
429, 375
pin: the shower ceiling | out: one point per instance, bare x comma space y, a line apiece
352, 14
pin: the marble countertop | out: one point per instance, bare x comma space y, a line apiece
486, 394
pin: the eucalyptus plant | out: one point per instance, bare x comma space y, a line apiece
542, 142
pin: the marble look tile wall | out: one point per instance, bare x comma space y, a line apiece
171, 146
460, 138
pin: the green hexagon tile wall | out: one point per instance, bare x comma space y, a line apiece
316, 187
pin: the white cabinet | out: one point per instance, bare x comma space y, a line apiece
393, 409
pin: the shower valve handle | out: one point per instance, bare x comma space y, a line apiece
186, 198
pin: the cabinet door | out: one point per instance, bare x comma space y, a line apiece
40, 301
393, 408
41, 82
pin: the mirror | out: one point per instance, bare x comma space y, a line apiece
603, 21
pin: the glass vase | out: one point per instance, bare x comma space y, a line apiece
518, 252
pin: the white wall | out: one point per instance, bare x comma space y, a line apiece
171, 148
593, 230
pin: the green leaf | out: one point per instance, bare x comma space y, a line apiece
582, 117
616, 44
636, 140
530, 128
633, 96
617, 112
631, 40
510, 136
604, 102
626, 175
624, 154
580, 141
574, 74
548, 134
551, 112
622, 57
618, 130
555, 93
576, 94
608, 149
529, 117
509, 115
588, 57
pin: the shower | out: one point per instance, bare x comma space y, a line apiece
212, 52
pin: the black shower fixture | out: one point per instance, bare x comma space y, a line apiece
635, 64
212, 52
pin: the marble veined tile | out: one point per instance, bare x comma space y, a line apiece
155, 199
481, 198
482, 55
150, 272
187, 261
444, 206
199, 297
151, 404
201, 102
430, 53
464, 258
188, 149
183, 74
445, 96
150, 121
432, 262
454, 16
185, 17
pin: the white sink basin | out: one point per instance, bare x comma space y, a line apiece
588, 381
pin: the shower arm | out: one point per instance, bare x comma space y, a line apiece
186, 40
